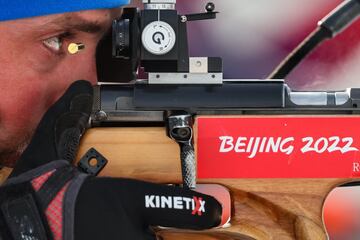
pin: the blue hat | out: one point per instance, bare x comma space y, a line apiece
14, 9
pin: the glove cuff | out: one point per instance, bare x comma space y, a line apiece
33, 204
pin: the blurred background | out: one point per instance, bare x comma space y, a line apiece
253, 36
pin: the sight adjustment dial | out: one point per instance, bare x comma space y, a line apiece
158, 38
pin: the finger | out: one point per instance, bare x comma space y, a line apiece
58, 133
151, 204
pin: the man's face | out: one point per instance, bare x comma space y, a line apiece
36, 69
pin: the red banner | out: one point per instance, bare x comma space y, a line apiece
278, 147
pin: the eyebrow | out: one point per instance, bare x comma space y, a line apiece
88, 27
73, 22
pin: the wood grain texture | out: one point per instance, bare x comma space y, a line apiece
261, 208
4, 174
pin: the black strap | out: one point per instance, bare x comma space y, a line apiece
22, 209
20, 217
54, 184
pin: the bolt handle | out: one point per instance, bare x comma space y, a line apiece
188, 165
180, 130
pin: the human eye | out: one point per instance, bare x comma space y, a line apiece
55, 44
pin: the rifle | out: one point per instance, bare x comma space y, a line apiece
184, 124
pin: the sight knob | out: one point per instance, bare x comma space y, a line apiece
210, 7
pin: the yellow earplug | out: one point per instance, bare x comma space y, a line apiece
74, 48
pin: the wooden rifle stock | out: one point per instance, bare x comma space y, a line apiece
261, 208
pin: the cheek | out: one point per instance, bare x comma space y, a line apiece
24, 98
22, 107
68, 73
28, 90
73, 68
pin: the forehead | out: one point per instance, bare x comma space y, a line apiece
101, 18
97, 16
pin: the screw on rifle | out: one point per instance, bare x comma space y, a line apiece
181, 134
183, 19
100, 116
210, 7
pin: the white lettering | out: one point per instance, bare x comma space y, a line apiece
334, 146
157, 202
255, 145
356, 167
149, 201
290, 148
171, 202
187, 202
274, 147
321, 142
166, 201
255, 148
225, 140
330, 144
262, 145
178, 204
202, 206
240, 144
348, 147
249, 146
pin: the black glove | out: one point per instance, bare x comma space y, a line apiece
62, 203
58, 133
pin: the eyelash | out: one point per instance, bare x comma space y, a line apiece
59, 39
